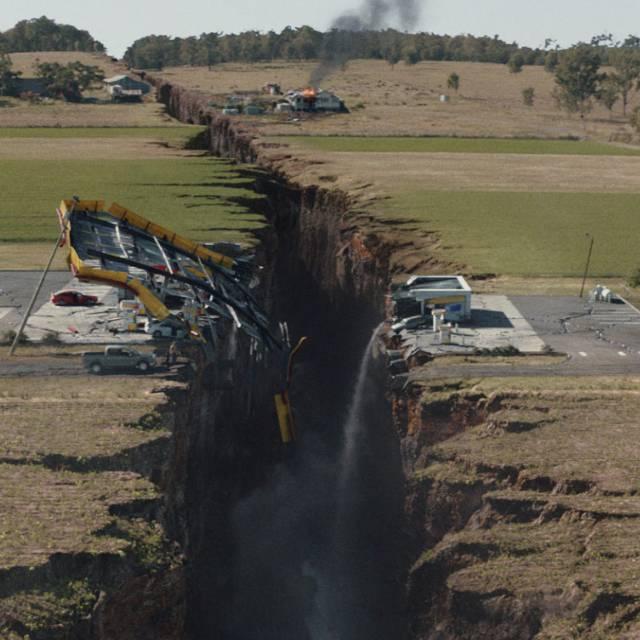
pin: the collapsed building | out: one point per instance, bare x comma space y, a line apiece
315, 100
181, 283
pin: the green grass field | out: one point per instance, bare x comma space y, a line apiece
527, 233
459, 145
172, 133
194, 196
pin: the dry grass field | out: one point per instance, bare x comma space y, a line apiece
404, 100
25, 62
74, 465
17, 113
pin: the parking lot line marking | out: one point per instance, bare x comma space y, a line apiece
622, 353
583, 354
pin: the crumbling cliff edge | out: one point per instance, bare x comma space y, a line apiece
516, 502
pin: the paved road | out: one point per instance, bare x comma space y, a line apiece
15, 367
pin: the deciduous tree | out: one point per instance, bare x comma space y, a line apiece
577, 78
528, 96
69, 81
626, 62
609, 91
7, 75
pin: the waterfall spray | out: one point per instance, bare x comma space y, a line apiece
339, 611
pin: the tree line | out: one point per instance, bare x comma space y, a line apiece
43, 34
306, 43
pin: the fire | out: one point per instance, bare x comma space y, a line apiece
310, 93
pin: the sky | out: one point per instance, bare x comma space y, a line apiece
117, 23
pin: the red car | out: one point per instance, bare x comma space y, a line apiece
73, 299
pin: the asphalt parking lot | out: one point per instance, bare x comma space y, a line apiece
70, 324
16, 289
594, 332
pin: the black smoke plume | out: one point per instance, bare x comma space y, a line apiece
373, 15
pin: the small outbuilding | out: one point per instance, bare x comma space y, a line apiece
315, 100
124, 88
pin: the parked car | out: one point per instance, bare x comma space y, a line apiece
411, 323
164, 330
118, 358
73, 298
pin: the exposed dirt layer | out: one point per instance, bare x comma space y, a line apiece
523, 502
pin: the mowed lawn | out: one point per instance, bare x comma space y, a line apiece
514, 233
459, 145
204, 198
194, 196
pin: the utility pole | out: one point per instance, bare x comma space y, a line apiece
25, 318
586, 268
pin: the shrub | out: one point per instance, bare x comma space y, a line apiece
528, 96
516, 62
453, 82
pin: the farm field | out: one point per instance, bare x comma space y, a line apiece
176, 134
18, 113
404, 100
391, 144
524, 234
483, 182
517, 208
201, 197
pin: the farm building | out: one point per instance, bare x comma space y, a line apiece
123, 87
315, 100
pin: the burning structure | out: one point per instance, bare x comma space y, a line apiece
315, 100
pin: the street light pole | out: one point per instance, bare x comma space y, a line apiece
586, 268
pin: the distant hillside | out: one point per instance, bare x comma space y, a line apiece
43, 34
